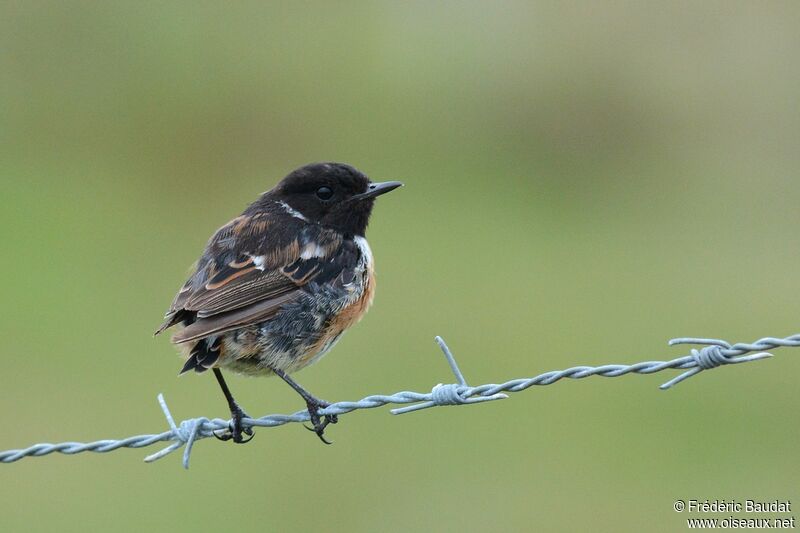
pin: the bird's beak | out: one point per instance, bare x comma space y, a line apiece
376, 189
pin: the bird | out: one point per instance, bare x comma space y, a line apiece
276, 287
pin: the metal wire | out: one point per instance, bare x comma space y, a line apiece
714, 353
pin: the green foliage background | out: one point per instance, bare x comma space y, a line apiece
583, 182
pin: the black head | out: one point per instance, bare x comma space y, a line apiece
334, 195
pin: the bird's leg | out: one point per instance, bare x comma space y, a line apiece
313, 404
237, 414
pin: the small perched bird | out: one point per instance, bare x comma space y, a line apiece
278, 285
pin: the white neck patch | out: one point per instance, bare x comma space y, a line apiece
366, 251
291, 210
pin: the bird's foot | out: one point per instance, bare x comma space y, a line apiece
235, 430
319, 422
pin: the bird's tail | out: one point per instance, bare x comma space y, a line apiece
203, 355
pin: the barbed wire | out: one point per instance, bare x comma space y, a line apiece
714, 353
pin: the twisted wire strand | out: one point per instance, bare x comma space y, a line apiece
714, 353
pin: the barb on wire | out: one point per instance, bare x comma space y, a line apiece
713, 353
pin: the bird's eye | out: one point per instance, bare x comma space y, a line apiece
324, 193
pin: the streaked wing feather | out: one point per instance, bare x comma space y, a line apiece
251, 314
239, 292
182, 296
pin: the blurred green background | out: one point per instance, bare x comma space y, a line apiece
584, 181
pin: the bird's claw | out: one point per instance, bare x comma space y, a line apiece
235, 429
320, 423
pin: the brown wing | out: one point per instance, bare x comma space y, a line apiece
237, 286
245, 277
251, 314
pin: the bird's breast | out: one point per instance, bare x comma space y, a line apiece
361, 293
